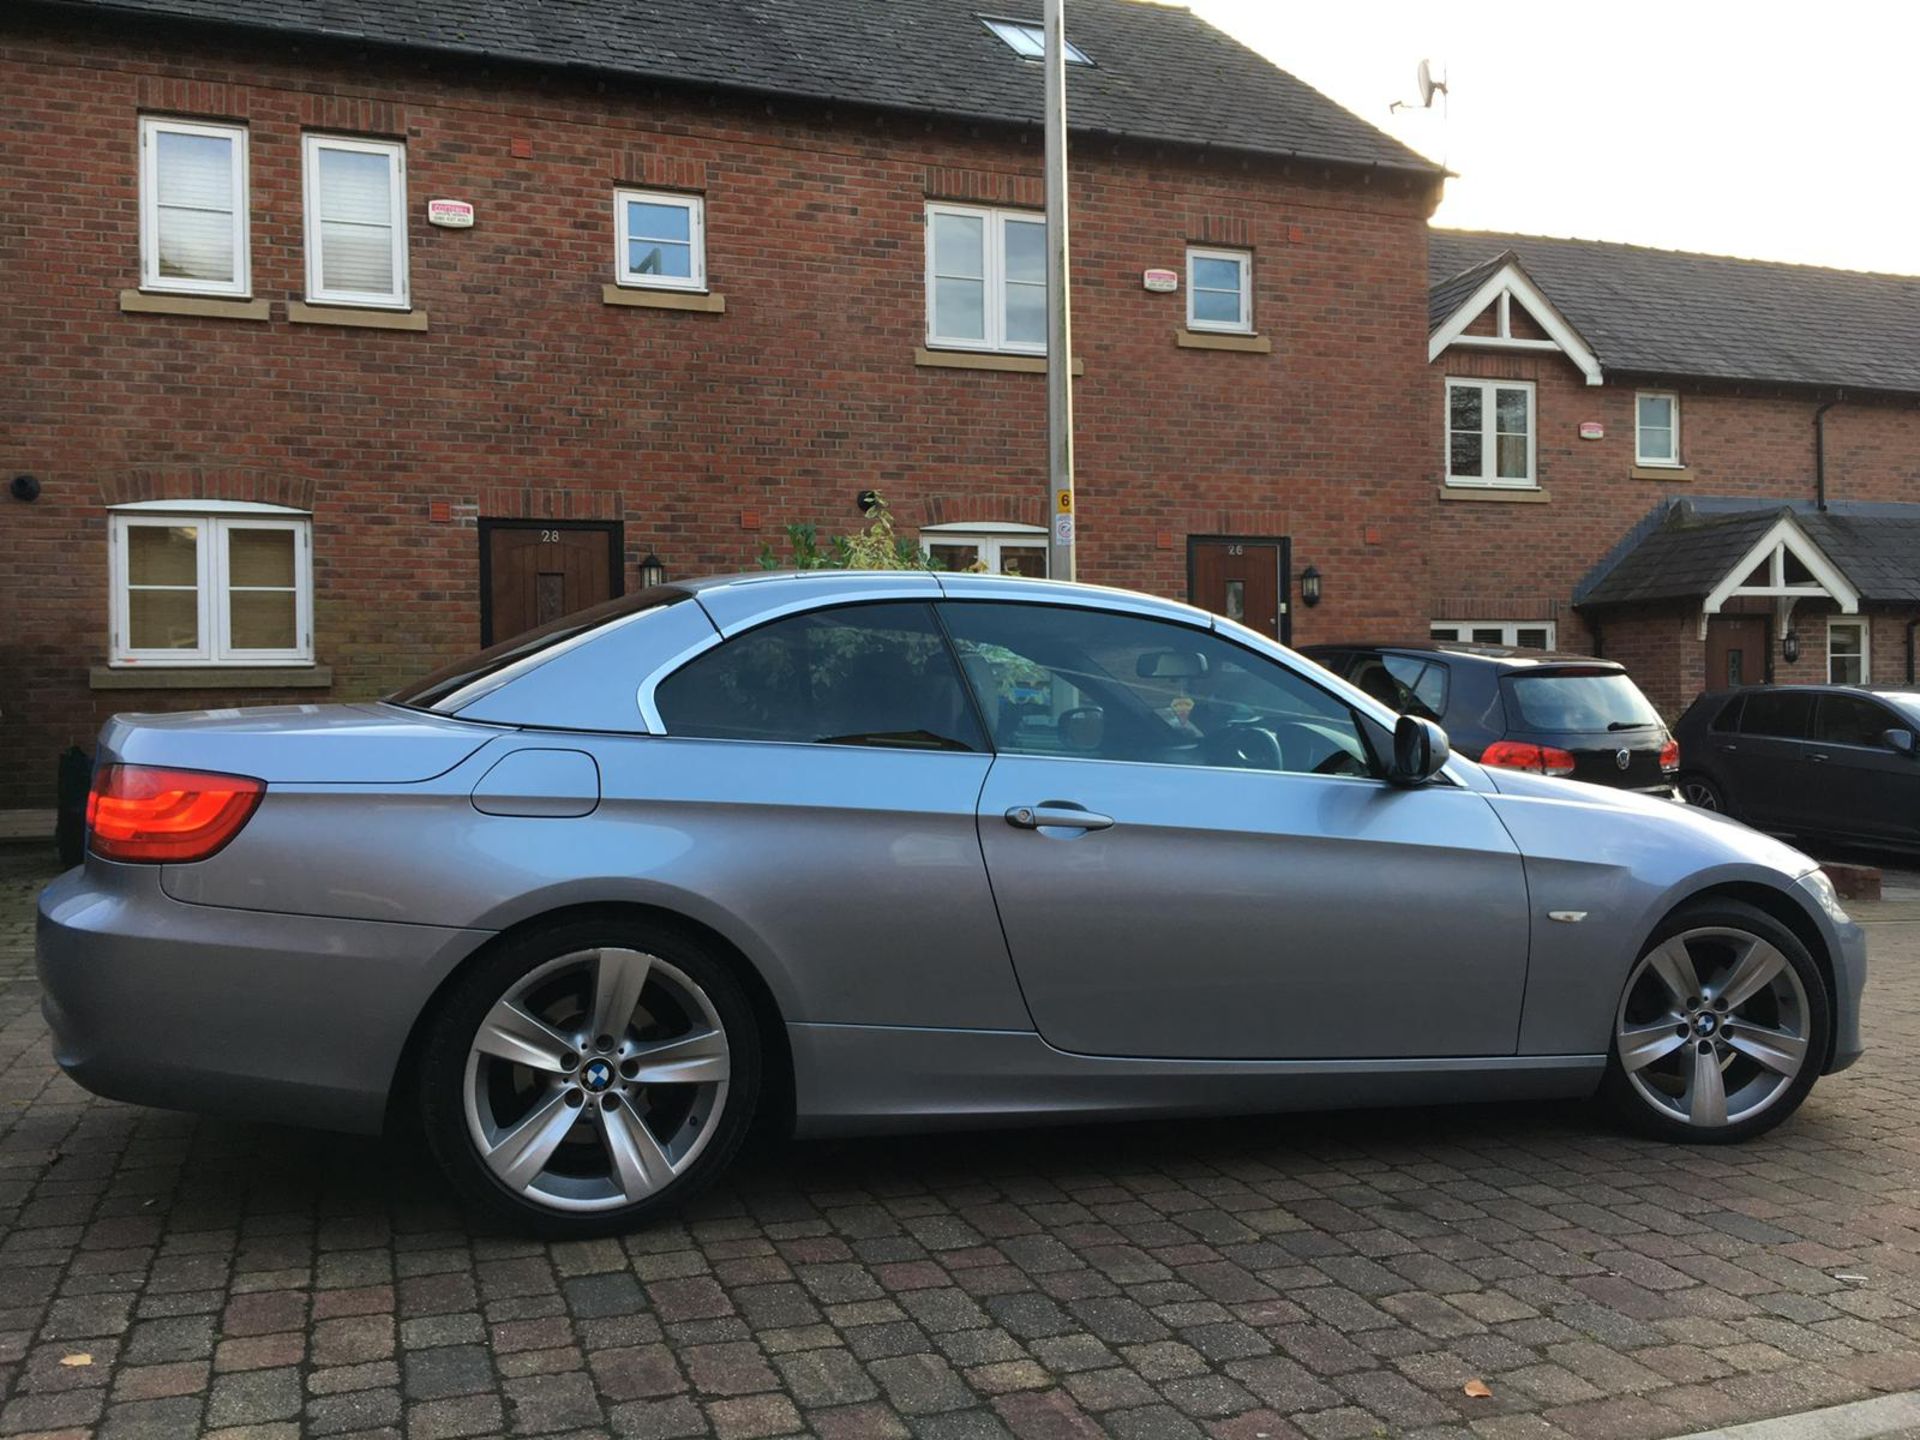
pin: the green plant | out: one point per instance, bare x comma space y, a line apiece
877, 547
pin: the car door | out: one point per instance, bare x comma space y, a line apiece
816, 781
1191, 855
1861, 785
1765, 777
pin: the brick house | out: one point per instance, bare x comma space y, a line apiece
1704, 467
294, 431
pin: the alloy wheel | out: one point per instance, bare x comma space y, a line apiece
1699, 793
1713, 1028
596, 1080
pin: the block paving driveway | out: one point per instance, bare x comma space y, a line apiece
1322, 1276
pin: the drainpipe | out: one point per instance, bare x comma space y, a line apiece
1910, 628
1820, 453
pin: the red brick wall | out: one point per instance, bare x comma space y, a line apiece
1517, 561
528, 397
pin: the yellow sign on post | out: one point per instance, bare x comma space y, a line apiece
1063, 502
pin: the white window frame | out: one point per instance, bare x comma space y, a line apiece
988, 537
1244, 259
1866, 648
396, 152
994, 270
1028, 40
1640, 457
1489, 479
150, 276
216, 521
1462, 631
696, 208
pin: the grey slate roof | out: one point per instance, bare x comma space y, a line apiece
1159, 73
1671, 313
1688, 547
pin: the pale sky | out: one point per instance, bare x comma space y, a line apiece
1784, 132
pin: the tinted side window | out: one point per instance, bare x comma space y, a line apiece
1424, 683
1060, 681
1729, 717
1784, 714
1852, 720
856, 675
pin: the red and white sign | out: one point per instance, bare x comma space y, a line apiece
453, 214
1592, 430
1160, 281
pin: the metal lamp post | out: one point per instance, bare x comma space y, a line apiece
1060, 532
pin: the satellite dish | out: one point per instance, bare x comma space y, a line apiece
1429, 87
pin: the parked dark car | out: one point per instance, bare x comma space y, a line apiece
1833, 761
1538, 710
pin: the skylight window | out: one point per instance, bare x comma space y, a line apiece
1029, 41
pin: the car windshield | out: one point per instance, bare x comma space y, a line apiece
1581, 701
452, 688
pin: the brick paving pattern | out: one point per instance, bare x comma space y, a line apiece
1321, 1277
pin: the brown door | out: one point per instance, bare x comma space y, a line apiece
1736, 650
533, 571
1244, 580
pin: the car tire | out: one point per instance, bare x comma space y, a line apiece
1697, 790
1721, 1072
659, 1104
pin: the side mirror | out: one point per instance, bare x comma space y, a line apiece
1420, 748
1898, 739
1082, 729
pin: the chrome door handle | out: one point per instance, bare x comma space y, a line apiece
1818, 759
1055, 814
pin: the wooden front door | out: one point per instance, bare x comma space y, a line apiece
534, 571
1736, 651
1244, 579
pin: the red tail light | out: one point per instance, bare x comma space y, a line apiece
145, 814
1670, 757
1519, 755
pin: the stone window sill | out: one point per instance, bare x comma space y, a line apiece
1661, 472
301, 313
206, 307
210, 677
702, 301
987, 360
1511, 494
1223, 340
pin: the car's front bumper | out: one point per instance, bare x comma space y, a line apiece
289, 1018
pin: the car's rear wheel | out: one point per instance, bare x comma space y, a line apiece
583, 1078
1699, 791
1722, 1027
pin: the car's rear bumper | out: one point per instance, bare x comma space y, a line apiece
287, 1018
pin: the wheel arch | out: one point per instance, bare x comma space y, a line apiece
775, 1115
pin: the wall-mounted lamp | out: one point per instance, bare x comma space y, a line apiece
652, 572
1790, 646
1310, 586
867, 500
24, 487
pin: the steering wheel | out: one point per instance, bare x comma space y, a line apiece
1249, 747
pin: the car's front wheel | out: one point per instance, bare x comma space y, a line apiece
582, 1078
1722, 1028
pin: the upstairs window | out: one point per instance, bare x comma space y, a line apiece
1219, 290
661, 240
1029, 41
1490, 433
356, 200
1656, 428
225, 585
986, 279
193, 207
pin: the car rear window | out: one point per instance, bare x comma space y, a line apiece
1580, 701
452, 688
1782, 714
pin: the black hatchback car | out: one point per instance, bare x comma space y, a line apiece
1536, 710
1827, 760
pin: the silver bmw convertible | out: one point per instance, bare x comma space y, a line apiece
863, 851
